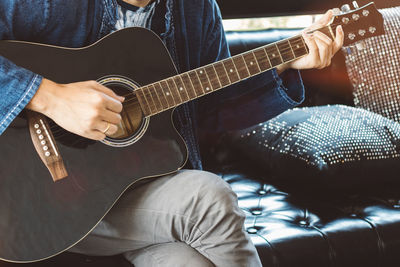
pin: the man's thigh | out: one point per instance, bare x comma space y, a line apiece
167, 209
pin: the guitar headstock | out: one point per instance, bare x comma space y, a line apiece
360, 23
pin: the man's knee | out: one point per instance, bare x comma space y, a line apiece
174, 254
209, 194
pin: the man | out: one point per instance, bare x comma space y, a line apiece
187, 219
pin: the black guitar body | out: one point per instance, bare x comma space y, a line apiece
40, 218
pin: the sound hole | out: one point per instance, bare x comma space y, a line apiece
131, 114
133, 123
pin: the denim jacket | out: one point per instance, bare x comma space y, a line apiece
193, 33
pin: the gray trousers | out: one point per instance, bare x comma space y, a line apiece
187, 219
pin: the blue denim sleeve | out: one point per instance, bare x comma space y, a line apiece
18, 85
248, 102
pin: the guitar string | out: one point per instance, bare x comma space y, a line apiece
148, 94
289, 53
134, 100
334, 25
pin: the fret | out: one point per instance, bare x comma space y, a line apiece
218, 77
273, 55
175, 91
213, 77
231, 70
160, 93
181, 89
251, 63
186, 94
196, 83
285, 51
155, 98
149, 99
306, 47
204, 80
143, 102
241, 67
298, 47
222, 75
279, 52
187, 97
208, 79
245, 63
189, 86
291, 49
262, 59
167, 91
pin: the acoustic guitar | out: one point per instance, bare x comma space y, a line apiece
55, 187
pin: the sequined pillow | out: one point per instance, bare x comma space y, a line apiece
331, 146
375, 71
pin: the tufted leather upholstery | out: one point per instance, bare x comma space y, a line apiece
291, 229
338, 229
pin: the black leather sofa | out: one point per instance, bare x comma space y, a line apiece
290, 228
302, 226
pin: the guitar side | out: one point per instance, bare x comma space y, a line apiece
40, 218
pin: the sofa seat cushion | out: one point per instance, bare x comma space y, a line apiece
300, 230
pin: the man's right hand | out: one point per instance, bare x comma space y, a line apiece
84, 108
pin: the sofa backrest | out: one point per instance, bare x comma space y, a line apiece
257, 8
328, 86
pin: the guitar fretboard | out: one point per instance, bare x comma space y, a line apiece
174, 91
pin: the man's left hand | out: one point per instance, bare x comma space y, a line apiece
321, 47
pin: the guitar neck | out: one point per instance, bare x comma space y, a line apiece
174, 91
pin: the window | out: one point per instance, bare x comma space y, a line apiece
249, 24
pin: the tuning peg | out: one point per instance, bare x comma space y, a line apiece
336, 11
346, 8
361, 45
355, 4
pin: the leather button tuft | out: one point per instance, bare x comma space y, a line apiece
252, 230
262, 192
256, 212
303, 223
353, 215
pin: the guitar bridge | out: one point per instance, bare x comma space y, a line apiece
46, 146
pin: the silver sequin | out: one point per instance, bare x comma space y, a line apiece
375, 71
